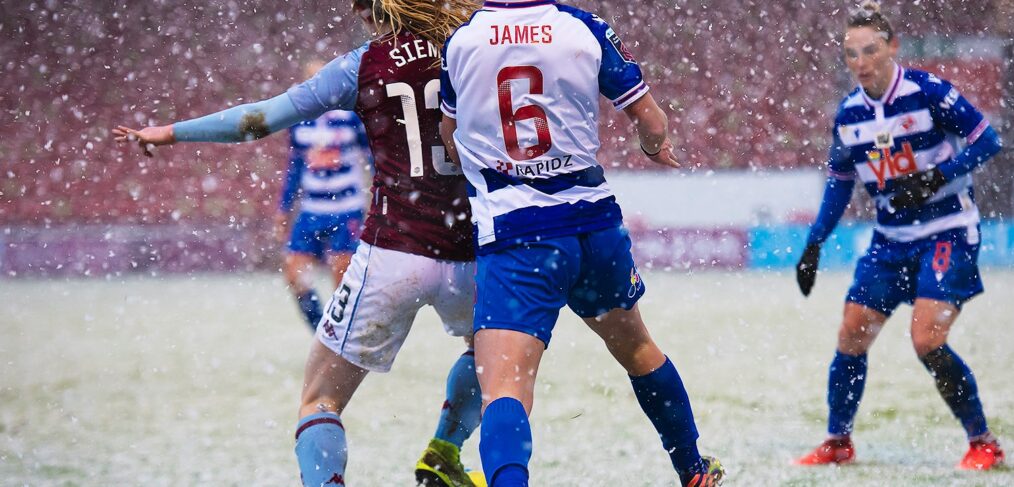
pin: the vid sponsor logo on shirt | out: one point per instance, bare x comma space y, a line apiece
887, 165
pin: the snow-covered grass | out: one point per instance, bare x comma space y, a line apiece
194, 381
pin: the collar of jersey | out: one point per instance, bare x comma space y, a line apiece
891, 92
517, 3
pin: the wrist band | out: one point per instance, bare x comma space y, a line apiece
650, 154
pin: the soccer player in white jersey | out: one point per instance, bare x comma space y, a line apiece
520, 92
897, 132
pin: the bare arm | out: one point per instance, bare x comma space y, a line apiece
652, 130
447, 127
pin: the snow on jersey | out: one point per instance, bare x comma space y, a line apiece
914, 127
420, 204
326, 163
523, 81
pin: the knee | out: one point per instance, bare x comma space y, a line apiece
924, 343
855, 338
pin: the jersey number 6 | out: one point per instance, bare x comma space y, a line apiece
510, 117
431, 94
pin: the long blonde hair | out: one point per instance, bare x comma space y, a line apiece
433, 20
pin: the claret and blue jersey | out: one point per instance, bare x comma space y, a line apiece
917, 125
530, 74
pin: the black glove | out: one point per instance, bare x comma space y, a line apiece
806, 269
913, 190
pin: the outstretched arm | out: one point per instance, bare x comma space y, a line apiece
652, 130
241, 123
333, 87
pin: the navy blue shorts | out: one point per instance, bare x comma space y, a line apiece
943, 267
523, 287
314, 234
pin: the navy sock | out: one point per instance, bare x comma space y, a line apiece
310, 306
321, 450
505, 445
957, 386
664, 400
462, 408
845, 384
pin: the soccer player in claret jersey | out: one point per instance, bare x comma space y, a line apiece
520, 92
328, 160
416, 246
896, 133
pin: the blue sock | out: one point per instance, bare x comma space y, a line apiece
321, 450
462, 410
310, 306
664, 400
845, 384
957, 385
505, 445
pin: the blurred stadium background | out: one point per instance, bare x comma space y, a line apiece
751, 85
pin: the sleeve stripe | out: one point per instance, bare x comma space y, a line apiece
448, 110
630, 96
842, 176
979, 129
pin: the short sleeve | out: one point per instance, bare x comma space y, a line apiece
620, 77
334, 87
448, 97
952, 111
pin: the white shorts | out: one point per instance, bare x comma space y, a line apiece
369, 315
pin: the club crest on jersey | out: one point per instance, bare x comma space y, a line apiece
619, 46
886, 165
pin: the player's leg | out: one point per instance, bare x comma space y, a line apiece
520, 291
605, 296
509, 361
365, 324
883, 280
440, 464
343, 235
950, 277
328, 385
304, 249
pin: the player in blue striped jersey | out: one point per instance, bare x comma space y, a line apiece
520, 95
328, 160
913, 141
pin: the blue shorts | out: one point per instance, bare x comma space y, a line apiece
523, 287
943, 267
314, 234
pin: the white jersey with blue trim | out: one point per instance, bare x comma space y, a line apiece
522, 79
917, 124
326, 165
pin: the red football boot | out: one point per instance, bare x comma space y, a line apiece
982, 456
832, 450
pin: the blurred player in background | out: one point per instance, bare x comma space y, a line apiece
328, 161
899, 132
520, 88
416, 246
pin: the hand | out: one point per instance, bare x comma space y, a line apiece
281, 227
913, 190
664, 156
806, 269
146, 138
